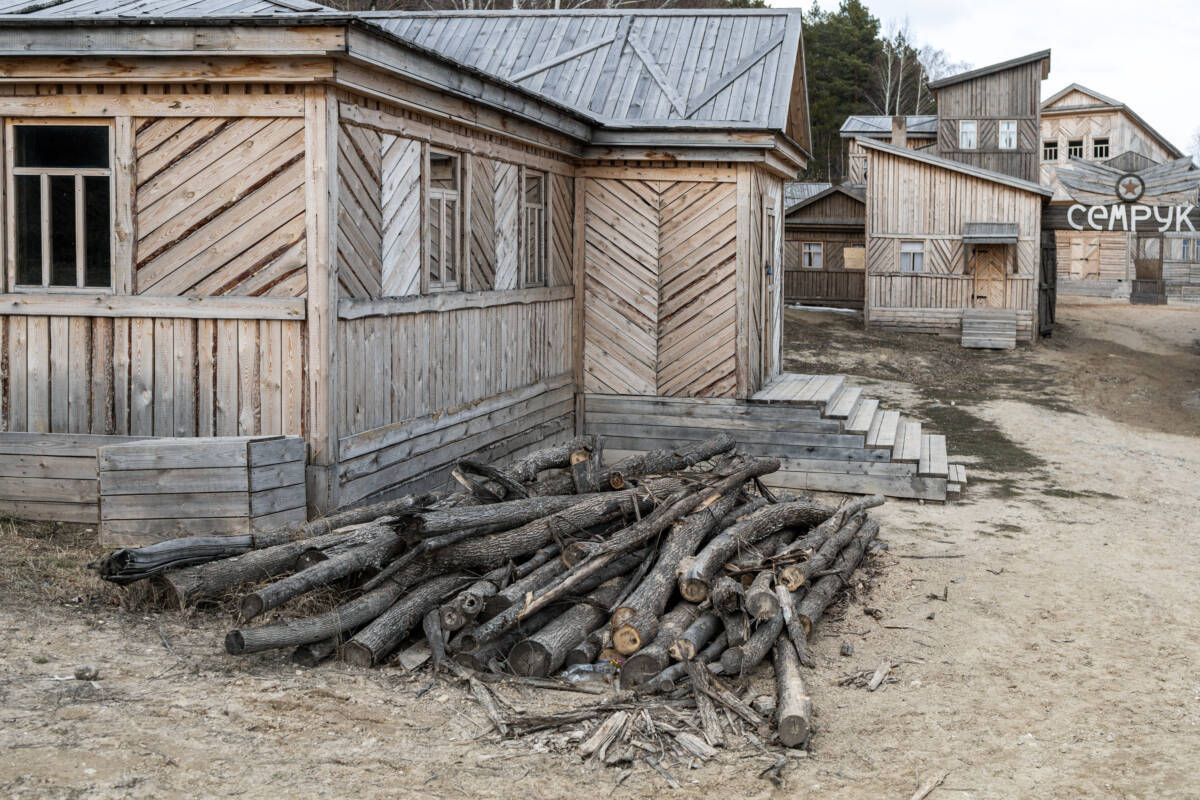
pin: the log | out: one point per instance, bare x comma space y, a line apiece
665, 680
654, 658
400, 507
312, 654
499, 516
209, 581
746, 656
636, 621
373, 643
377, 543
737, 627
791, 624
824, 557
586, 470
588, 650
810, 609
755, 557
527, 468
516, 591
761, 602
692, 640
467, 605
694, 583
128, 565
657, 462
830, 526
727, 595
544, 652
793, 706
481, 656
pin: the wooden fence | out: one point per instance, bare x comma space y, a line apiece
841, 288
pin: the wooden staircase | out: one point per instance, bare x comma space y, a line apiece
989, 328
829, 436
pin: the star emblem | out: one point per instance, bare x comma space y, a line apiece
1130, 187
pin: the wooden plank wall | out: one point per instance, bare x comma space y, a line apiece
1115, 252
660, 287
220, 206
832, 283
152, 376
360, 224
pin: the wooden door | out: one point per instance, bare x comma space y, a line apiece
989, 263
1085, 257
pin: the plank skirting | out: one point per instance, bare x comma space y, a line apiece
422, 451
945, 321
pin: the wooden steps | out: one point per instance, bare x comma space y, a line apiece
989, 328
845, 402
933, 456
883, 429
859, 420
908, 443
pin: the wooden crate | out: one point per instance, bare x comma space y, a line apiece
51, 476
164, 488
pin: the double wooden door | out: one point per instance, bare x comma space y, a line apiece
989, 266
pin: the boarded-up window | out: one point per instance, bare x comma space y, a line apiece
443, 215
534, 199
62, 231
401, 200
481, 250
855, 257
1085, 257
505, 186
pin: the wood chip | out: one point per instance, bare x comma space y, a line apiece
929, 786
881, 672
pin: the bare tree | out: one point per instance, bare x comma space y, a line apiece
937, 65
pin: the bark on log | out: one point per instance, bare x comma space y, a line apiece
209, 581
310, 655
654, 658
515, 592
754, 557
741, 659
544, 652
824, 558
665, 680
134, 564
692, 640
791, 623
727, 595
694, 584
659, 461
737, 627
793, 706
810, 609
587, 651
373, 643
467, 605
400, 507
830, 526
377, 543
586, 470
761, 602
482, 656
508, 514
636, 621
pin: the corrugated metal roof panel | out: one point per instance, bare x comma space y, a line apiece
880, 125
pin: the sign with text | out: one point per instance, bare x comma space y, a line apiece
1126, 217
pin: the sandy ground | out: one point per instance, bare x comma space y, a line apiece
1049, 651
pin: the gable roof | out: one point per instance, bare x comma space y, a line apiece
957, 166
856, 193
795, 191
919, 126
1105, 102
1041, 55
645, 69
699, 71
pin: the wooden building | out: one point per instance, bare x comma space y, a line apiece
406, 238
1082, 125
915, 131
825, 248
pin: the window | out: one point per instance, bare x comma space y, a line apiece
443, 220
1075, 148
1186, 246
966, 134
912, 256
1007, 134
813, 256
1099, 148
1050, 150
61, 185
534, 195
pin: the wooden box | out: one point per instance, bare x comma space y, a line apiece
165, 488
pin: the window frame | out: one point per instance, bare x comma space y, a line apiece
1104, 142
540, 260
915, 267
11, 171
1050, 143
1000, 134
442, 196
804, 252
962, 123
1071, 146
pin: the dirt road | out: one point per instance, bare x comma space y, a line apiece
1048, 650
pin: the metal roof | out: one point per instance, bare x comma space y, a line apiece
989, 233
917, 125
855, 191
1041, 55
645, 69
957, 166
96, 9
799, 191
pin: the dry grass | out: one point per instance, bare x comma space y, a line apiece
47, 562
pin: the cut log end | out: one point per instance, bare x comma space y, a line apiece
643, 667
250, 607
627, 640
693, 590
357, 655
793, 730
235, 643
682, 650
530, 659
451, 618
792, 577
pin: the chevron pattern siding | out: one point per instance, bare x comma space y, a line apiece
482, 249
660, 288
359, 214
507, 201
401, 199
230, 190
562, 209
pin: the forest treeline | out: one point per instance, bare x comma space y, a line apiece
856, 64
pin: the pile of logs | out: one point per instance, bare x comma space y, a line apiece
677, 569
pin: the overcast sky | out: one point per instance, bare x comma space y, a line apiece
1144, 53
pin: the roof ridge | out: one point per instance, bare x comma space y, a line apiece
957, 166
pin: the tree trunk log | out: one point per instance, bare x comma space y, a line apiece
516, 591
209, 581
586, 470
500, 516
810, 609
695, 637
746, 656
637, 630
312, 654
481, 657
824, 558
727, 595
654, 658
737, 627
793, 706
791, 623
830, 526
375, 548
587, 651
665, 680
467, 605
545, 651
761, 602
694, 584
400, 507
372, 644
657, 462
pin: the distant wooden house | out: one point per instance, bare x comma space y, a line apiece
914, 131
825, 248
1082, 125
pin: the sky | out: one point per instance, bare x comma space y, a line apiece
1143, 53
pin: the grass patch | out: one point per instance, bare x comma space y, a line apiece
1071, 494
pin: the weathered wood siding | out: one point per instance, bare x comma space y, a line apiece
1012, 94
660, 287
832, 284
